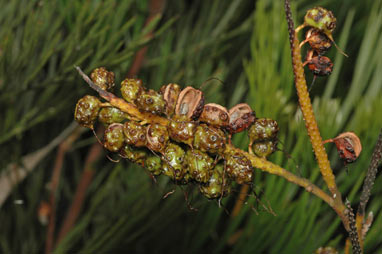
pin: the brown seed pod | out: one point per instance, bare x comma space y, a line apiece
103, 78
190, 103
317, 40
209, 139
238, 167
241, 117
135, 134
157, 137
182, 130
348, 146
215, 115
170, 94
319, 65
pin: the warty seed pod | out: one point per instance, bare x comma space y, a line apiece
318, 65
238, 167
199, 165
86, 111
150, 101
170, 94
157, 137
190, 103
318, 41
263, 129
241, 117
321, 19
219, 185
134, 154
153, 164
264, 148
103, 78
135, 134
113, 137
209, 139
215, 115
182, 129
109, 115
130, 89
173, 162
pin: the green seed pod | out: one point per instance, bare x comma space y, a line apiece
218, 185
130, 89
239, 167
199, 165
135, 134
151, 101
263, 129
326, 250
111, 115
86, 111
134, 154
182, 130
209, 139
170, 94
321, 19
173, 162
113, 137
103, 78
264, 148
157, 137
153, 164
215, 115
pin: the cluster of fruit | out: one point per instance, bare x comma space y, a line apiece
322, 23
192, 146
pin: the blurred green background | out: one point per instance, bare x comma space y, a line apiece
240, 50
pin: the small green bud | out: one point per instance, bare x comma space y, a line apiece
130, 89
113, 137
109, 115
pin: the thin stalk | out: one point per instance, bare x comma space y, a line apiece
309, 118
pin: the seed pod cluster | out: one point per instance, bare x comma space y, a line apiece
319, 37
192, 147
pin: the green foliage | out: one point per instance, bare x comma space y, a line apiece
241, 43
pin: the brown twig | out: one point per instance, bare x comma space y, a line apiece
353, 235
54, 182
368, 184
155, 7
14, 173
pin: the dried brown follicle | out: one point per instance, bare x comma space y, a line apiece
348, 146
317, 64
215, 115
170, 94
190, 103
317, 40
241, 117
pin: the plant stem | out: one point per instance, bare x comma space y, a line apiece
309, 118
